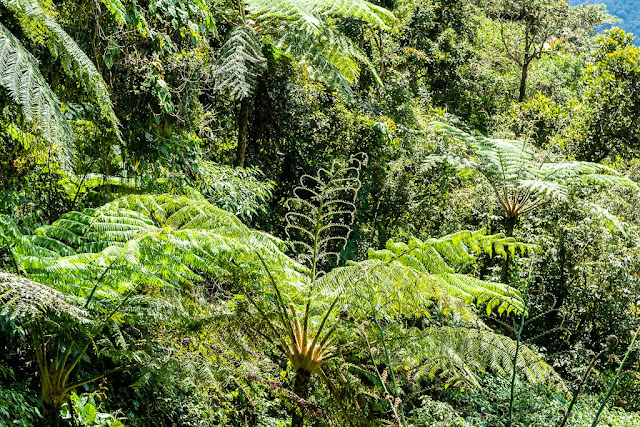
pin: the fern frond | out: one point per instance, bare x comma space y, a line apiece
74, 59
458, 354
307, 12
358, 9
10, 235
20, 76
241, 191
417, 278
321, 212
240, 63
331, 56
161, 242
29, 300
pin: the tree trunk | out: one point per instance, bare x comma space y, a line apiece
523, 80
51, 409
510, 224
243, 132
301, 388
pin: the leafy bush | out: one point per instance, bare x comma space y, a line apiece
86, 413
18, 404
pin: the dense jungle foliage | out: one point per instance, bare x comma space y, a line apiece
318, 212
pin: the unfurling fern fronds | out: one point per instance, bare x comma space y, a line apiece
240, 63
423, 277
322, 211
20, 76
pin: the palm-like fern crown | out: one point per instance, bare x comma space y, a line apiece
302, 30
522, 179
20, 76
322, 211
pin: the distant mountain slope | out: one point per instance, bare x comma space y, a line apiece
627, 10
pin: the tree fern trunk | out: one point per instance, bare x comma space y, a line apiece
301, 388
51, 409
243, 132
510, 224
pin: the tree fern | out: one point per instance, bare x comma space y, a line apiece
420, 278
298, 28
523, 180
63, 334
142, 250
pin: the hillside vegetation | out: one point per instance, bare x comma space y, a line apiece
321, 212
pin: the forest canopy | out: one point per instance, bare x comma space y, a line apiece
322, 213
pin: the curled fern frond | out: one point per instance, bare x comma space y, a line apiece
321, 212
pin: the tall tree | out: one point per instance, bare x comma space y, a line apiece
119, 261
608, 120
528, 28
300, 29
